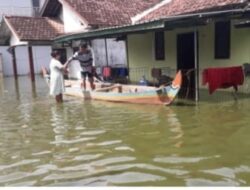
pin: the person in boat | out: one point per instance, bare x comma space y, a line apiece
56, 76
85, 57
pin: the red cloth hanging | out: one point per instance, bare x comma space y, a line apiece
223, 78
106, 72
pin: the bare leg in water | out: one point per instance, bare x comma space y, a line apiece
59, 98
91, 81
83, 84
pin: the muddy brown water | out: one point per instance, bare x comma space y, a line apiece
92, 143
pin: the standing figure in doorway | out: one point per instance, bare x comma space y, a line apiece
56, 76
85, 57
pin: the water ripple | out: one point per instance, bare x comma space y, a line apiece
13, 177
24, 184
95, 143
205, 182
74, 141
90, 133
178, 160
228, 172
124, 178
41, 153
106, 143
87, 157
21, 163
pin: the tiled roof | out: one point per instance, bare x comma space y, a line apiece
35, 28
109, 12
178, 7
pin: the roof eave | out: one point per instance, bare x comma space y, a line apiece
11, 28
111, 32
143, 27
229, 7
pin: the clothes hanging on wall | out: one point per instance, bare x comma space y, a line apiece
106, 72
223, 78
119, 72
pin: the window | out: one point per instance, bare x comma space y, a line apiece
36, 3
159, 46
222, 39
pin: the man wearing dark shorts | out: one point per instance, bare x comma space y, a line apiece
85, 57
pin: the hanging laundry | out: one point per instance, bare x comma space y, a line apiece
119, 72
106, 72
223, 78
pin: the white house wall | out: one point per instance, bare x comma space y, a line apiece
116, 50
116, 56
116, 53
42, 3
16, 7
41, 57
98, 47
72, 22
74, 66
14, 41
1, 64
22, 60
15, 3
6, 61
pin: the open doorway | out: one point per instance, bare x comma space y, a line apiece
186, 62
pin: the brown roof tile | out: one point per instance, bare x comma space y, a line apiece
35, 28
178, 7
109, 12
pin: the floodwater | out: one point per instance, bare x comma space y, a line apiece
91, 143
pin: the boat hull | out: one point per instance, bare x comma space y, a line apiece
136, 95
160, 96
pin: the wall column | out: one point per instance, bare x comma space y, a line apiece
106, 51
14, 63
196, 58
32, 72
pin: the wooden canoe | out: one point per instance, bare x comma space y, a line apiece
129, 93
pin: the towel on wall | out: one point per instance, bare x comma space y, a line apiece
223, 78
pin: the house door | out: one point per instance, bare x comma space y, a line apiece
186, 58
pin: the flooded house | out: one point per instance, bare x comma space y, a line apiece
151, 39
9, 32
28, 41
208, 41
86, 16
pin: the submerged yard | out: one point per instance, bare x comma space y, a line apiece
92, 143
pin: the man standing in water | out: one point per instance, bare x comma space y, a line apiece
85, 57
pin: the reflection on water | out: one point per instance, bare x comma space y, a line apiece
105, 144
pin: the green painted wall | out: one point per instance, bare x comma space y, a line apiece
240, 46
141, 50
141, 54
